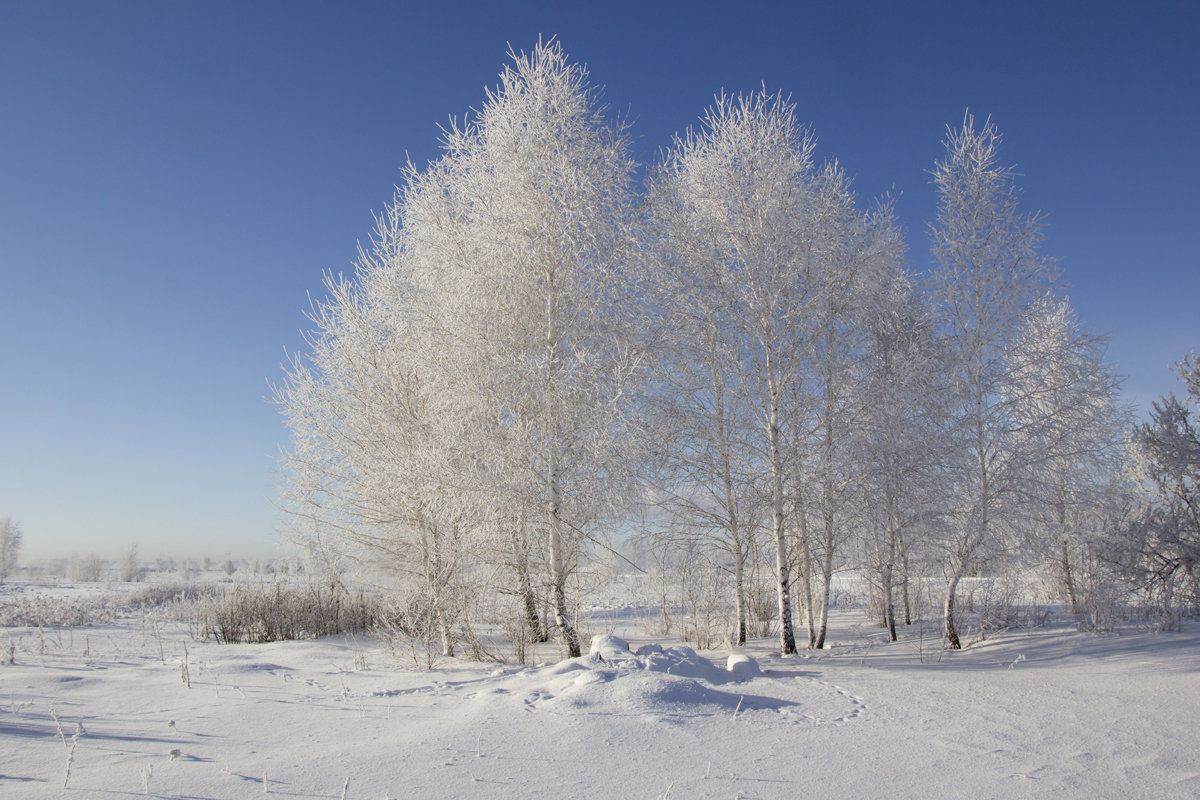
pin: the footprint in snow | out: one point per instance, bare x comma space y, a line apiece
857, 705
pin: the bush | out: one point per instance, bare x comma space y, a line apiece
162, 594
408, 626
43, 611
280, 612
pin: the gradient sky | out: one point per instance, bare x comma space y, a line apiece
175, 177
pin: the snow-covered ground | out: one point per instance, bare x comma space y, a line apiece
1047, 712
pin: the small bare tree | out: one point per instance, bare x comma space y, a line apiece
131, 564
10, 546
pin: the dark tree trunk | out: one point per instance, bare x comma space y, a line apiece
952, 640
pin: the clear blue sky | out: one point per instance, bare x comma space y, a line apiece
175, 177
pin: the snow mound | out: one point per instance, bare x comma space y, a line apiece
655, 682
742, 667
681, 661
614, 652
609, 647
658, 694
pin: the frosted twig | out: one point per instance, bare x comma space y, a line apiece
58, 725
71, 754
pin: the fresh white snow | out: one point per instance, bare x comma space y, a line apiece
1046, 712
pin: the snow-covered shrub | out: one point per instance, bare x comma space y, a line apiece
760, 604
409, 627
161, 594
999, 608
280, 612
44, 611
704, 598
131, 567
84, 570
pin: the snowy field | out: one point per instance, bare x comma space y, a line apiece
1047, 712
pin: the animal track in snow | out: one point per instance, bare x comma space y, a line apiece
857, 705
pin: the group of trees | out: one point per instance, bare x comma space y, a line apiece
533, 353
465, 391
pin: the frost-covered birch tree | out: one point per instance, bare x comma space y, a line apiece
464, 390
900, 435
1160, 550
1066, 411
532, 253
701, 432
863, 253
987, 273
751, 238
377, 470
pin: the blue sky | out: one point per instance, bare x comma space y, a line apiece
175, 177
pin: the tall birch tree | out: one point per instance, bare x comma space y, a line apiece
465, 387
863, 252
531, 282
987, 273
376, 471
749, 238
900, 434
